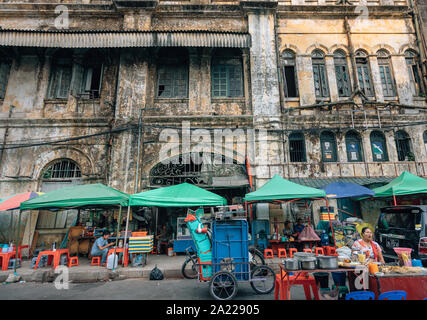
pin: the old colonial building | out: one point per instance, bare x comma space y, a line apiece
316, 91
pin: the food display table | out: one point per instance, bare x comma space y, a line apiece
300, 275
414, 284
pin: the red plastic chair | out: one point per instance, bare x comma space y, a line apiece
292, 251
318, 251
281, 253
268, 254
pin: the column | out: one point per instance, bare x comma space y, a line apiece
306, 89
402, 80
332, 80
376, 79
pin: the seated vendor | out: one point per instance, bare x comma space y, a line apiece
288, 231
369, 247
299, 226
100, 247
162, 238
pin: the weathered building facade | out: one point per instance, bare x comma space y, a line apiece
104, 91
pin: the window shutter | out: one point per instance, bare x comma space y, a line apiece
65, 82
79, 79
4, 77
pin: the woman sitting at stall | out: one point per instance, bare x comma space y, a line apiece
369, 247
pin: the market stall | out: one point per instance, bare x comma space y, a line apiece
280, 190
183, 195
78, 197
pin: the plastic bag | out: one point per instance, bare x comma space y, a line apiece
308, 234
156, 274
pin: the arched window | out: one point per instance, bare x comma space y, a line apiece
62, 169
378, 146
328, 146
172, 73
227, 73
5, 65
386, 74
414, 72
354, 146
403, 146
60, 75
319, 74
364, 73
297, 147
341, 73
290, 79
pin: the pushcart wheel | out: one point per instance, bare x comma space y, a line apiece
263, 279
256, 258
223, 286
189, 269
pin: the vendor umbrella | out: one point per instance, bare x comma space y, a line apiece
338, 190
14, 201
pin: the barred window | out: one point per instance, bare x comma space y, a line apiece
378, 146
60, 76
403, 146
328, 146
227, 74
386, 74
62, 169
4, 76
341, 73
172, 73
289, 74
414, 72
354, 146
319, 74
297, 147
364, 74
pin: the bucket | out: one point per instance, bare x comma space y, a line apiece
322, 279
170, 252
373, 268
339, 278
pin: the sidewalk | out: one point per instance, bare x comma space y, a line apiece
84, 272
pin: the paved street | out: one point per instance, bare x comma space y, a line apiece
128, 289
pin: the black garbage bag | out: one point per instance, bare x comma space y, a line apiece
156, 274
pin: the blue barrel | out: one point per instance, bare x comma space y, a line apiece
230, 243
339, 278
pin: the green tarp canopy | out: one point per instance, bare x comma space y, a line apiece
280, 189
181, 195
406, 184
86, 195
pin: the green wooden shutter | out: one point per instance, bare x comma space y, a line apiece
4, 77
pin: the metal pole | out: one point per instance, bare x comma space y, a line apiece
330, 223
17, 243
117, 234
394, 200
126, 233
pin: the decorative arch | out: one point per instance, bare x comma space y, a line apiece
405, 47
291, 47
336, 47
47, 158
388, 48
363, 47
315, 46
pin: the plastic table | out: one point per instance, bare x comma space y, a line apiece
52, 255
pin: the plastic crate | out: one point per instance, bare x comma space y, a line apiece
230, 244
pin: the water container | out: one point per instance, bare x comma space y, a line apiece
5, 248
324, 239
339, 278
322, 279
112, 261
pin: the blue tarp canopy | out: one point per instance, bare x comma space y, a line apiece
338, 190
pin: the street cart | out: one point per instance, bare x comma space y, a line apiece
223, 257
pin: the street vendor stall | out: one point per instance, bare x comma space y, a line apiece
281, 190
78, 197
183, 195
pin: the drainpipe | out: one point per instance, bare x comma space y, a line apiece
6, 133
351, 52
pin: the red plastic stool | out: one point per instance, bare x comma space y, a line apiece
281, 253
306, 281
96, 261
318, 251
330, 251
74, 261
307, 250
292, 251
268, 254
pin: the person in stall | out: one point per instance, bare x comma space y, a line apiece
368, 247
289, 231
100, 247
299, 227
163, 238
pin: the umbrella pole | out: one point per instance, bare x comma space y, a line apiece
126, 233
330, 223
117, 234
394, 200
17, 242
